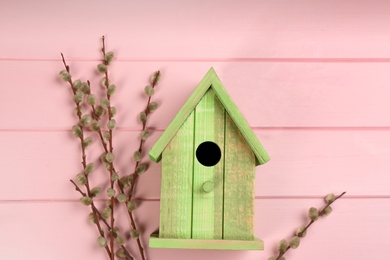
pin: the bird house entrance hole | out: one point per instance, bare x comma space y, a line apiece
208, 153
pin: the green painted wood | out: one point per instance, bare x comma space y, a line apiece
210, 80
208, 186
186, 109
156, 242
260, 153
239, 185
176, 183
208, 206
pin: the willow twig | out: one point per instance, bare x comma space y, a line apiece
324, 211
113, 233
112, 204
95, 211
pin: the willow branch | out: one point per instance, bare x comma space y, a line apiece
301, 233
113, 233
110, 144
95, 211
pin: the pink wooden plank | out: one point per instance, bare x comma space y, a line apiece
268, 94
40, 165
341, 235
206, 29
303, 163
64, 226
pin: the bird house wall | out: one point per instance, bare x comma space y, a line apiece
176, 183
187, 209
208, 206
239, 185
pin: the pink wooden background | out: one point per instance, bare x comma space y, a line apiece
311, 77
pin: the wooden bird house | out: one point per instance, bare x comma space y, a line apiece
209, 154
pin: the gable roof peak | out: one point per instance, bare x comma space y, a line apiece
210, 80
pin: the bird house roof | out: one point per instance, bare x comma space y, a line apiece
212, 81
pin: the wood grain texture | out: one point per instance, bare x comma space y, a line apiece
261, 155
267, 94
311, 77
329, 237
239, 185
322, 162
208, 207
188, 107
176, 209
203, 30
212, 244
211, 81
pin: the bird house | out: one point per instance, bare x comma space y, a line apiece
209, 154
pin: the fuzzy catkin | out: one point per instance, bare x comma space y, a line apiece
91, 218
134, 233
85, 88
299, 232
121, 253
87, 142
85, 120
81, 178
99, 111
142, 117
149, 91
106, 213
76, 84
145, 134
313, 214
113, 111
109, 57
76, 131
106, 135
137, 156
155, 78
294, 242
282, 246
89, 168
95, 191
109, 157
329, 198
104, 103
140, 169
111, 124
65, 75
125, 181
121, 198
110, 192
102, 68
86, 200
111, 89
120, 241
95, 125
131, 206
114, 177
326, 211
102, 242
153, 106
78, 97
91, 99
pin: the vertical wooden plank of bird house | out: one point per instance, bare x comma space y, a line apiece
208, 206
239, 185
176, 183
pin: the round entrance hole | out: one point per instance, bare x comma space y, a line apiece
208, 153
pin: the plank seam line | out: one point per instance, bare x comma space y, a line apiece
157, 199
238, 59
255, 128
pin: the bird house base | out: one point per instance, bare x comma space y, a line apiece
221, 244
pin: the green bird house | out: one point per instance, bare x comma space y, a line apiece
209, 154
